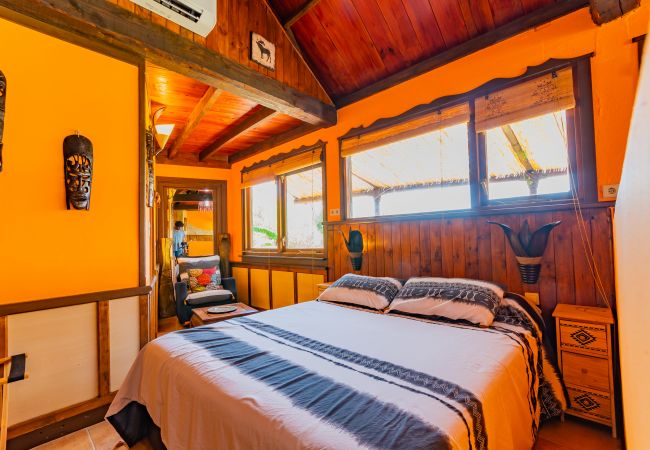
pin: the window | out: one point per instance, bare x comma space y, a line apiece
523, 134
284, 205
413, 167
509, 142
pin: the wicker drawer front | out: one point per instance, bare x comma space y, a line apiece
587, 371
587, 337
591, 403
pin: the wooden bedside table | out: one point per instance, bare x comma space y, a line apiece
584, 347
322, 286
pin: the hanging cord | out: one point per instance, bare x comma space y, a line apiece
584, 236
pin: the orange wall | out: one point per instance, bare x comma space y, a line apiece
55, 88
632, 251
614, 76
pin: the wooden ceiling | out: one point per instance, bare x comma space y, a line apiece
352, 44
210, 126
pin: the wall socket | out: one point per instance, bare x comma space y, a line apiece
335, 212
610, 190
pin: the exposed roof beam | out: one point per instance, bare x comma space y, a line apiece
301, 12
192, 159
200, 110
238, 128
603, 11
518, 150
273, 141
195, 197
86, 22
524, 23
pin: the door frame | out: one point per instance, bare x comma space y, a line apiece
219, 200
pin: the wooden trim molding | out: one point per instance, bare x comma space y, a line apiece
8, 309
480, 42
58, 417
103, 348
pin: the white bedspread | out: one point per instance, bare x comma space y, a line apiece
322, 376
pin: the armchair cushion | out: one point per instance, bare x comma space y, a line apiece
195, 299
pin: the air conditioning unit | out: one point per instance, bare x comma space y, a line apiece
198, 16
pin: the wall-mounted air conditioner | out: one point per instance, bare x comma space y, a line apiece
198, 16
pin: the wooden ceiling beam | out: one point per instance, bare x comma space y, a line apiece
603, 11
301, 12
274, 141
192, 159
517, 26
86, 22
236, 129
204, 105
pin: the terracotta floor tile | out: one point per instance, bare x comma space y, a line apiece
79, 440
103, 436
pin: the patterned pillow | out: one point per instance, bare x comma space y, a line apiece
371, 292
201, 274
452, 298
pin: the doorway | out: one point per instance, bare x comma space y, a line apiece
191, 218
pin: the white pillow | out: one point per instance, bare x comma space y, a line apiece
371, 292
452, 298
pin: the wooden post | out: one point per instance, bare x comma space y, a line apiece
4, 405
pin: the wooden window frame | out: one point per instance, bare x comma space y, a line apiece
281, 254
581, 144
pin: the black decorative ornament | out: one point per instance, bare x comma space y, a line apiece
528, 247
354, 244
3, 100
151, 155
78, 171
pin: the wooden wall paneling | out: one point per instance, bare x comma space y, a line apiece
63, 370
447, 248
124, 338
581, 242
306, 283
470, 247
331, 254
424, 246
283, 289
372, 249
484, 248
103, 348
601, 241
145, 313
563, 245
259, 286
414, 244
241, 280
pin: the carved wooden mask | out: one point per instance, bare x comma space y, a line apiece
78, 171
3, 99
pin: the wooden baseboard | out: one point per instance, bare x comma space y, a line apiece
53, 425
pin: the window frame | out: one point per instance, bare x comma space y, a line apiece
281, 251
581, 146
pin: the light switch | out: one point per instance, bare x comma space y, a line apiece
335, 212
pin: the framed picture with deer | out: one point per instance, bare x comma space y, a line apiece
262, 51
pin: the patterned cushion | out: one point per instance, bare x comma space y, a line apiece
201, 274
452, 298
371, 292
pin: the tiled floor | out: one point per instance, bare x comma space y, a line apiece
573, 434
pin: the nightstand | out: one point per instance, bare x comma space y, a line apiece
584, 344
322, 286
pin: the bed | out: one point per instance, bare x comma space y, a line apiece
328, 376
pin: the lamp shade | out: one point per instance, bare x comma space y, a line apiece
163, 131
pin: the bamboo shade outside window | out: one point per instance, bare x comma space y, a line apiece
432, 121
542, 95
264, 173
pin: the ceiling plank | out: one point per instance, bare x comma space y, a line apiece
301, 12
84, 21
480, 42
278, 139
238, 128
204, 105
